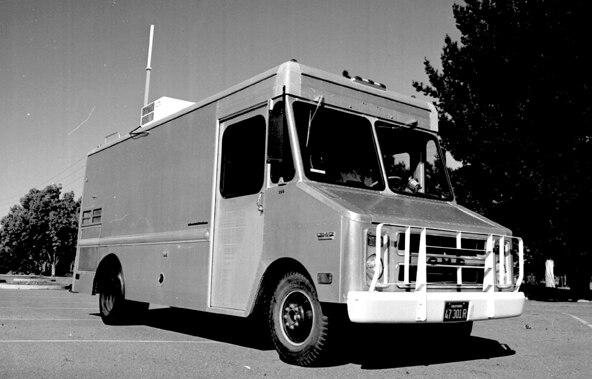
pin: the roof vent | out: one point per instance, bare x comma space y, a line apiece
161, 108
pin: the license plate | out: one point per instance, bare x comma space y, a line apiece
456, 310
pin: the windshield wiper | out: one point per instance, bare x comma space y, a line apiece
311, 117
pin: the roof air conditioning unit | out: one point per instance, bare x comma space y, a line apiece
161, 108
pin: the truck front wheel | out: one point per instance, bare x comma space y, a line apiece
299, 329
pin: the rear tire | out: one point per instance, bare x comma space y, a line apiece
111, 299
298, 327
113, 306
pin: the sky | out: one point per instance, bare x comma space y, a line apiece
73, 71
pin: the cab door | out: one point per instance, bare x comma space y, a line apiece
238, 213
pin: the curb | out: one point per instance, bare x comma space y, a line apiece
34, 286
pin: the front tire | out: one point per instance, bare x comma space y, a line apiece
298, 327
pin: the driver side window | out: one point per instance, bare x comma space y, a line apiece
243, 158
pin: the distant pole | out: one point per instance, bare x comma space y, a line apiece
148, 68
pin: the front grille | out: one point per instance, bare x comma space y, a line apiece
444, 275
444, 259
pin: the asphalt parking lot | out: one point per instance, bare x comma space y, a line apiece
59, 334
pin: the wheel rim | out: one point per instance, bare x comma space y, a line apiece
296, 317
109, 295
107, 301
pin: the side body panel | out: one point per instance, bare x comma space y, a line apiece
154, 192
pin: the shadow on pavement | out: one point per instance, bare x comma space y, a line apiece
372, 347
229, 329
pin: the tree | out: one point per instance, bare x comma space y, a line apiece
513, 97
40, 232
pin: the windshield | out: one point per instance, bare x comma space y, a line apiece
412, 161
337, 147
340, 148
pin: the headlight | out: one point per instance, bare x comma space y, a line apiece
373, 264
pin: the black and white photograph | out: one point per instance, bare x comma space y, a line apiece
295, 189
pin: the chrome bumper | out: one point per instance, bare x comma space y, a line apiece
409, 307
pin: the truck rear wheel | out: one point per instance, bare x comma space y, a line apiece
111, 298
113, 306
297, 324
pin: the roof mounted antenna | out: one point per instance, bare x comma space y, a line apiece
160, 108
148, 68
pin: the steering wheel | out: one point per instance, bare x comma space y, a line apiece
396, 182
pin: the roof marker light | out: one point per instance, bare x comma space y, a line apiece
360, 80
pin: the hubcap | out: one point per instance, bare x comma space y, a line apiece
297, 317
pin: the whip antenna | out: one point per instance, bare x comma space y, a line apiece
148, 68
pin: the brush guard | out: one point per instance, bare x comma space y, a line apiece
390, 300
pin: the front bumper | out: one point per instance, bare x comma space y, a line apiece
409, 307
